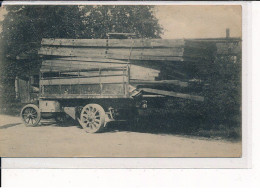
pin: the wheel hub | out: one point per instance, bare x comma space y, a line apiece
31, 115
90, 117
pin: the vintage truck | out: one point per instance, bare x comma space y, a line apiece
96, 81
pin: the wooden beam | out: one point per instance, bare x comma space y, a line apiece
79, 64
102, 54
173, 94
148, 58
89, 59
135, 43
45, 69
75, 42
170, 52
161, 82
160, 52
81, 52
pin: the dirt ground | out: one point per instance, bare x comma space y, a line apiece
52, 140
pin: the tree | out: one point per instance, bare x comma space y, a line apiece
22, 30
138, 19
24, 26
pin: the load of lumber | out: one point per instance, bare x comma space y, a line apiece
150, 60
129, 49
70, 65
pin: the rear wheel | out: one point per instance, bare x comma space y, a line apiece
92, 118
31, 115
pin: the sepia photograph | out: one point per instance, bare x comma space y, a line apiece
121, 81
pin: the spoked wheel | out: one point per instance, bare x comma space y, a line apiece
31, 115
92, 118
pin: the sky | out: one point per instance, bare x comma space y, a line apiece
195, 21
200, 21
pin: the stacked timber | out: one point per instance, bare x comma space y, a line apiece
154, 63
127, 49
78, 64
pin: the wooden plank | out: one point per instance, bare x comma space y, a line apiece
150, 49
174, 94
75, 42
135, 43
143, 73
153, 96
105, 73
90, 80
46, 69
164, 43
145, 43
160, 82
148, 58
134, 75
144, 78
171, 52
88, 59
143, 70
79, 64
136, 72
61, 51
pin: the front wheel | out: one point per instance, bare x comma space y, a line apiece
31, 115
92, 118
